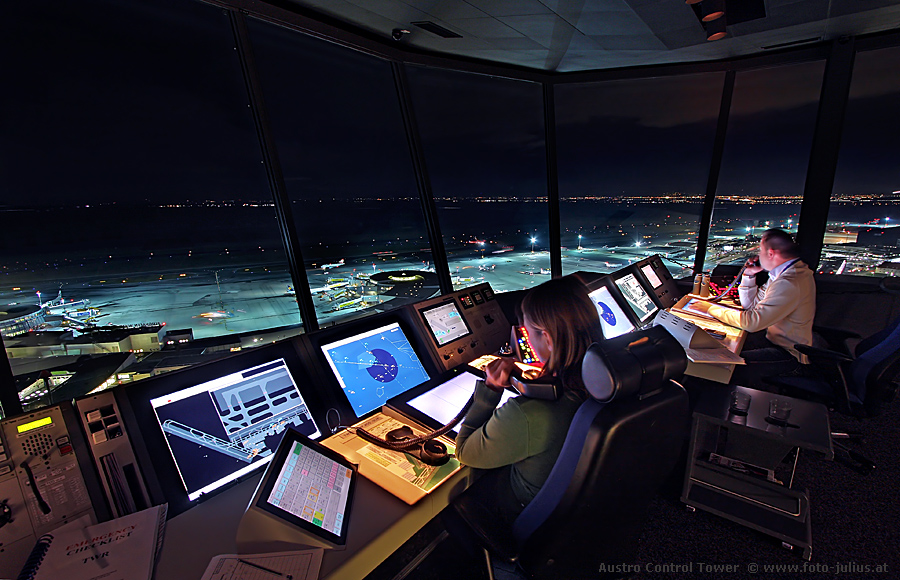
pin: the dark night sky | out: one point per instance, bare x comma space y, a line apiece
111, 101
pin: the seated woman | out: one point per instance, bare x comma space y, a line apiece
525, 436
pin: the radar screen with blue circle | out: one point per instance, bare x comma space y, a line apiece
612, 318
374, 366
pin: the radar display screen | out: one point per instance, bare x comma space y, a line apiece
374, 366
640, 302
445, 322
221, 429
612, 318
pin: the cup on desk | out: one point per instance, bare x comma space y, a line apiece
780, 411
740, 402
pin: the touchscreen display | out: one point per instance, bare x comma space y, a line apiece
640, 302
374, 366
445, 401
650, 273
445, 323
312, 487
612, 319
221, 429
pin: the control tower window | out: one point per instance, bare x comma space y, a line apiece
634, 161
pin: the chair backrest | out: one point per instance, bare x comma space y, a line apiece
874, 372
620, 448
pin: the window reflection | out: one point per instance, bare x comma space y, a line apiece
137, 217
348, 173
483, 139
766, 157
863, 234
633, 165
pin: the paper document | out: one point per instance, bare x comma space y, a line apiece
713, 356
298, 565
400, 473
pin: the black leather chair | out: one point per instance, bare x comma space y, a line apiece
620, 448
855, 383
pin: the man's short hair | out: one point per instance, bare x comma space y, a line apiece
781, 242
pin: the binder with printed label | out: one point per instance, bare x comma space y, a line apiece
125, 548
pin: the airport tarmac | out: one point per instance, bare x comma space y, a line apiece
238, 300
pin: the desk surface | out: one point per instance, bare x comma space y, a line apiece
380, 524
733, 341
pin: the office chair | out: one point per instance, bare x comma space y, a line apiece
858, 384
621, 446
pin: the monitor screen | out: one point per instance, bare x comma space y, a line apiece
612, 319
641, 302
445, 322
309, 486
445, 400
221, 429
374, 366
650, 273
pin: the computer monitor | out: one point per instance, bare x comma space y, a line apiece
640, 301
373, 366
221, 429
445, 322
650, 274
437, 402
613, 319
307, 486
207, 426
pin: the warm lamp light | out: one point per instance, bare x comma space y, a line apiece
712, 10
716, 29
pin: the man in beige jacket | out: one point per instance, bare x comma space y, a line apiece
783, 307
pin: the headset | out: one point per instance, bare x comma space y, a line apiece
432, 452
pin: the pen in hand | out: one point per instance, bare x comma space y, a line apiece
264, 569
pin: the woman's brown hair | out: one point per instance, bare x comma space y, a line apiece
561, 307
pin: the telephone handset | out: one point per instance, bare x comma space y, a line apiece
524, 380
751, 261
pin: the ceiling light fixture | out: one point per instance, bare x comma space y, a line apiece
715, 29
712, 10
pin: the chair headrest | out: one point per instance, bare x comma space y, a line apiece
633, 364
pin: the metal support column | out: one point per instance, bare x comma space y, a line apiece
274, 173
826, 144
423, 181
715, 166
552, 181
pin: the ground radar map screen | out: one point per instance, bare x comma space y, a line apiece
221, 429
374, 366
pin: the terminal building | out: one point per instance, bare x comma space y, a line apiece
341, 205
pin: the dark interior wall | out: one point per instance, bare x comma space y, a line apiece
861, 304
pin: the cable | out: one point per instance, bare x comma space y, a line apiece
45, 508
410, 442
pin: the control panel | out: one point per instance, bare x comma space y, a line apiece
110, 447
46, 480
461, 326
660, 279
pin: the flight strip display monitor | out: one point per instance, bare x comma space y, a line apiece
373, 366
311, 487
637, 297
650, 273
221, 429
445, 322
612, 318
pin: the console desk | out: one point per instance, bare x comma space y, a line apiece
380, 523
733, 341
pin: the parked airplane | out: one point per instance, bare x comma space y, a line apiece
335, 265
